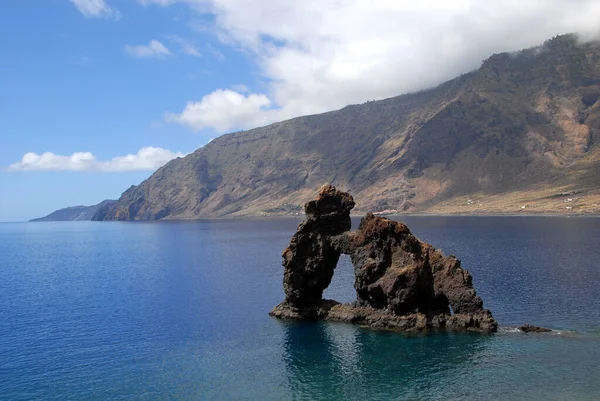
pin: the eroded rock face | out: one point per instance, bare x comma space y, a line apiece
391, 268
310, 258
401, 282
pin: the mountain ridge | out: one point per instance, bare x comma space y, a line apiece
74, 213
508, 137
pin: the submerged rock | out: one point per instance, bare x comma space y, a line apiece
401, 283
526, 328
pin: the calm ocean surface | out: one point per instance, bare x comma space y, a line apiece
179, 310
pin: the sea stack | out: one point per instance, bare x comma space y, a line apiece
401, 282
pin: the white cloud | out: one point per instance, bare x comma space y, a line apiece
154, 48
185, 46
96, 9
148, 158
319, 55
224, 110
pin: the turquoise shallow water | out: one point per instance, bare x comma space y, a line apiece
178, 310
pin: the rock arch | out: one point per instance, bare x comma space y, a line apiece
401, 283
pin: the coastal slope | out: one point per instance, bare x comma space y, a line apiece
520, 134
74, 213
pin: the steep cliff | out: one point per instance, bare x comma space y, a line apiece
521, 133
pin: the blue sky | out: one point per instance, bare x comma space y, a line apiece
87, 82
70, 86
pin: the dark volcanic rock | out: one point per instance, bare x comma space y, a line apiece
310, 258
391, 268
401, 282
452, 284
526, 328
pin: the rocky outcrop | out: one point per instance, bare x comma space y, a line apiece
401, 283
311, 257
527, 328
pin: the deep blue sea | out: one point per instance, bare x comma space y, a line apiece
179, 311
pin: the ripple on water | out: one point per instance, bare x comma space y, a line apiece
178, 310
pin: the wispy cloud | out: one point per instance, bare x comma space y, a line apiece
147, 158
96, 9
154, 49
215, 52
199, 73
240, 88
185, 46
84, 60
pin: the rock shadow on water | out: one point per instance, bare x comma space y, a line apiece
334, 361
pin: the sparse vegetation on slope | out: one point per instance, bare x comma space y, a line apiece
516, 132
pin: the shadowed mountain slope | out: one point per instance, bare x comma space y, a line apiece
521, 133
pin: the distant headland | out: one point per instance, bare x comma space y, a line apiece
74, 213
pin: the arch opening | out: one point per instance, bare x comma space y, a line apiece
341, 288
